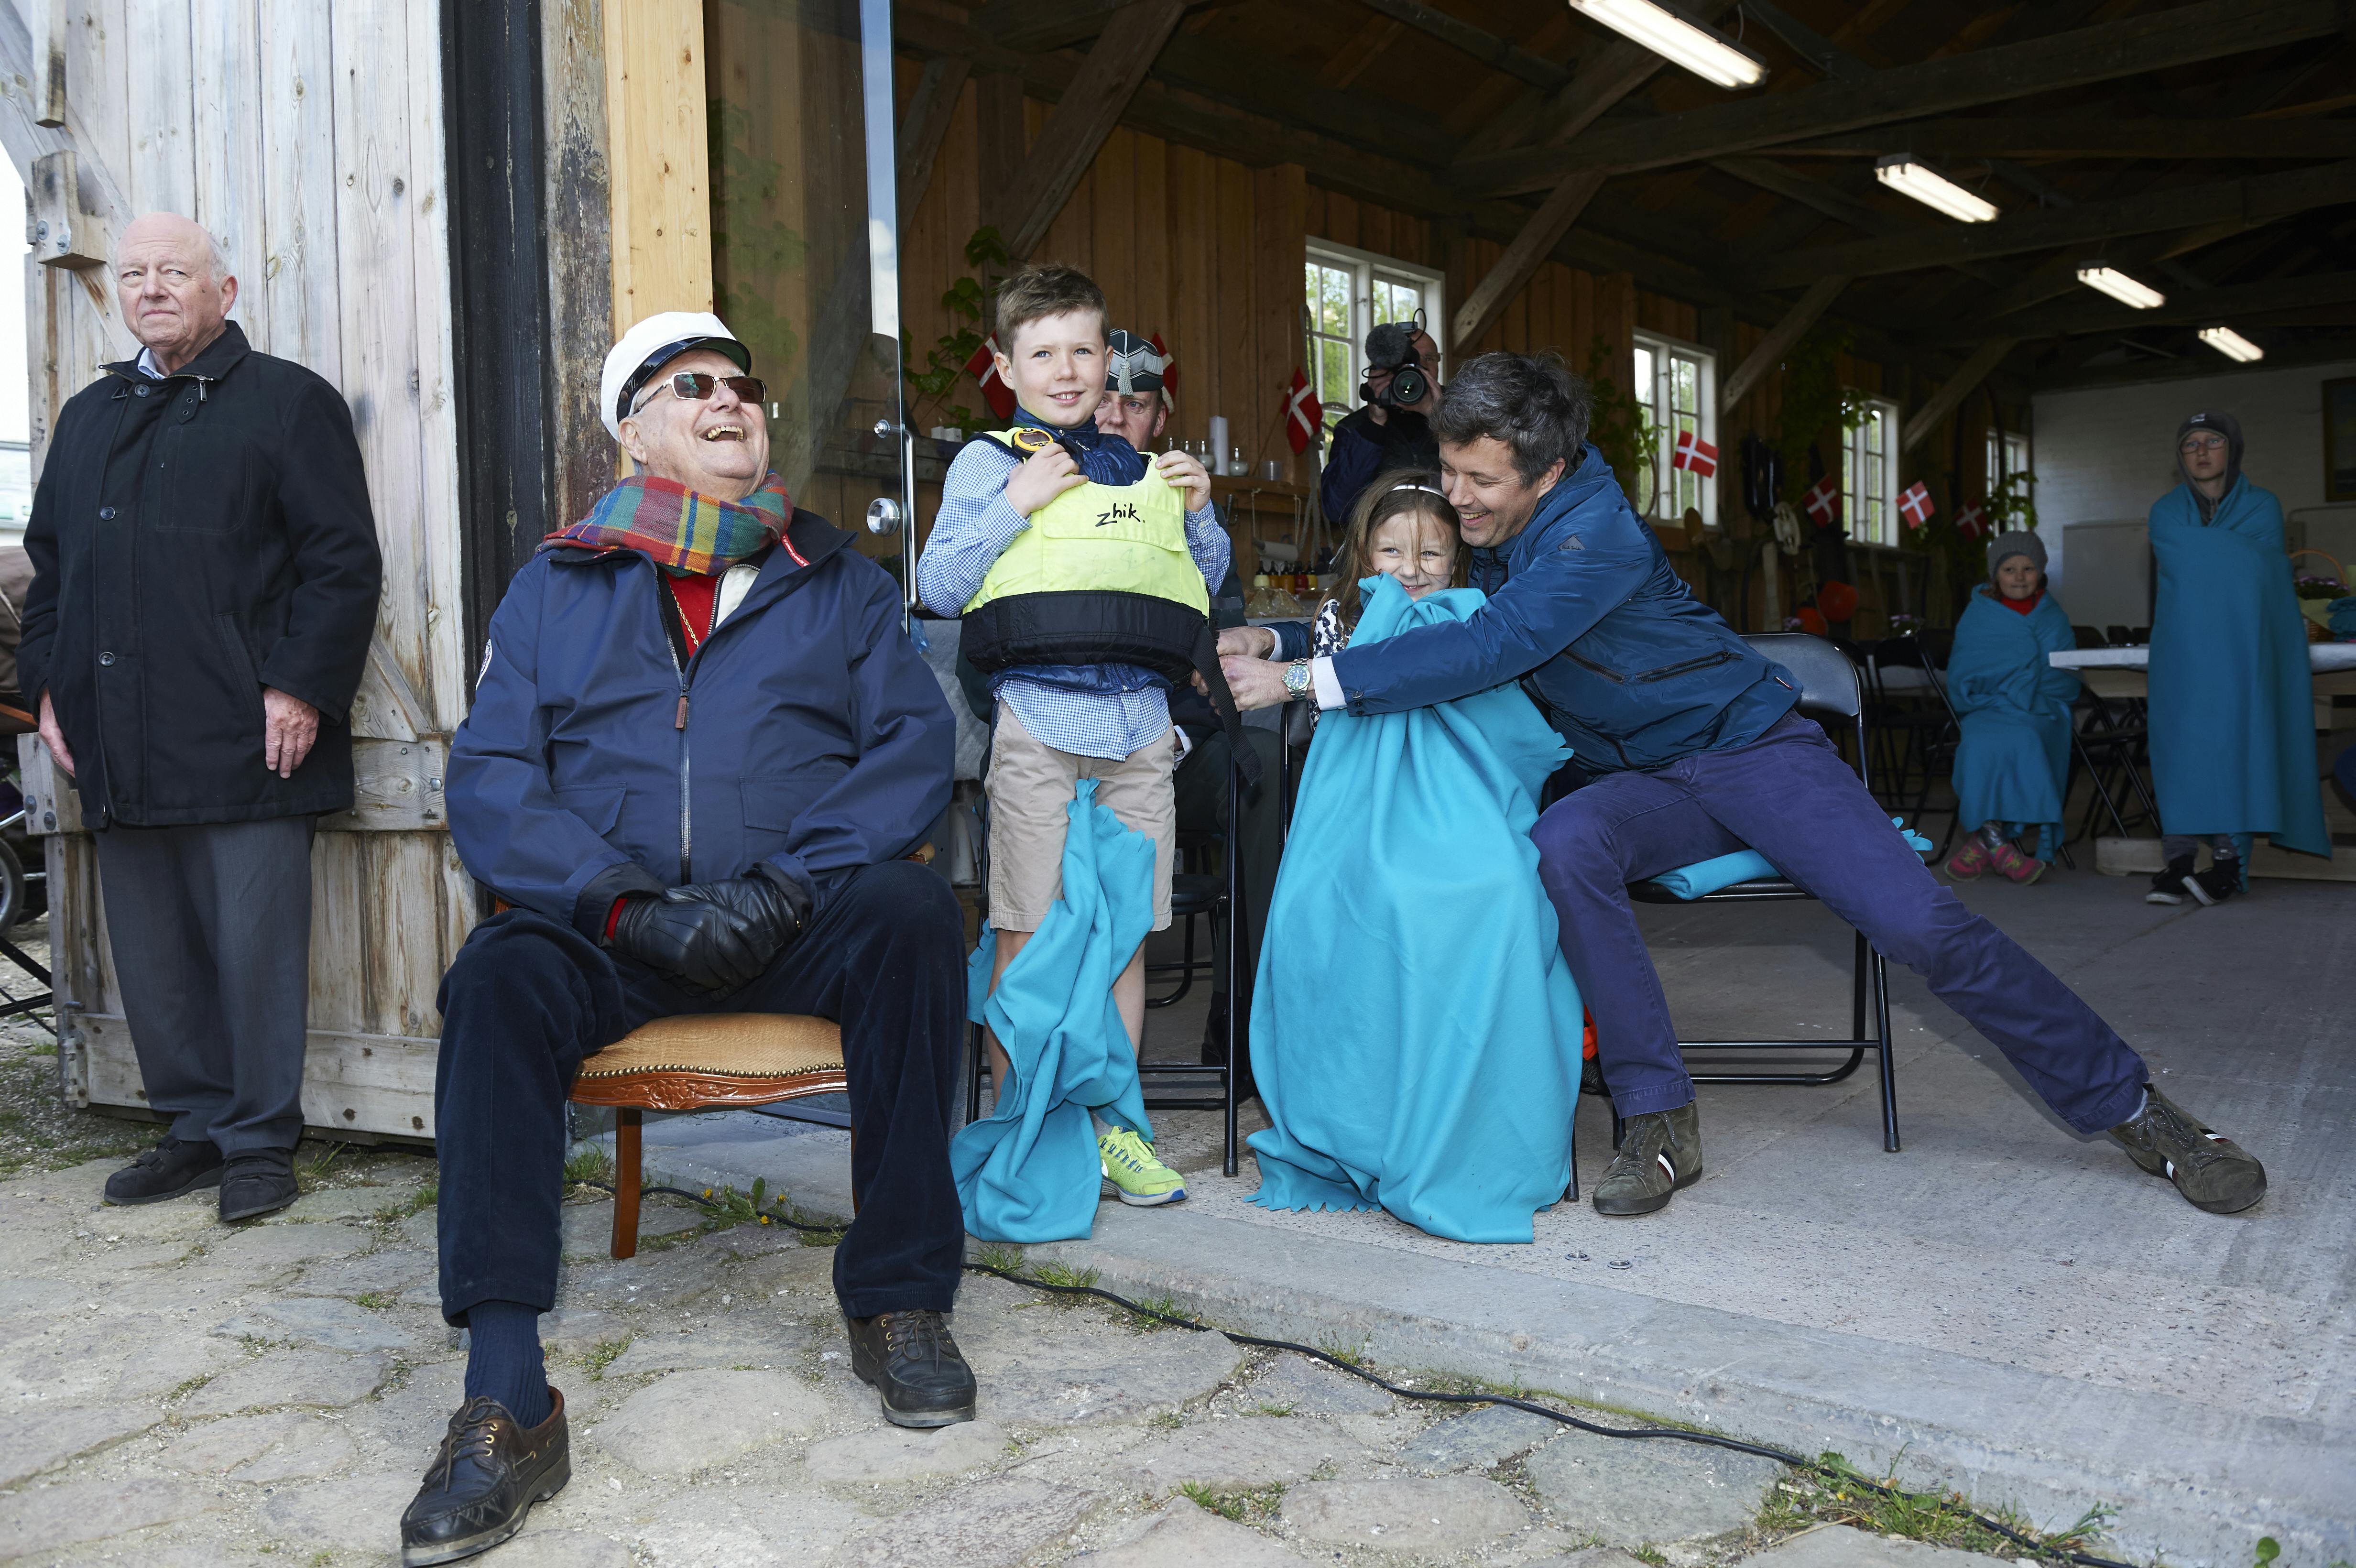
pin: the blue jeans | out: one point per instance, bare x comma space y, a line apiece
1789, 797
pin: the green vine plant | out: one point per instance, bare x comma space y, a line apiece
966, 300
1812, 399
1619, 427
2012, 507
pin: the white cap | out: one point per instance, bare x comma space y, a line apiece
652, 343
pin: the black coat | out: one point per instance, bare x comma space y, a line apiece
196, 539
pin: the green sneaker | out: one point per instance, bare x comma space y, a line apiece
1140, 1178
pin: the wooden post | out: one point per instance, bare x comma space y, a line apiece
1521, 261
1090, 109
1779, 339
657, 158
46, 19
930, 108
1953, 390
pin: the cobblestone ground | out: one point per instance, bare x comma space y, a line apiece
177, 1392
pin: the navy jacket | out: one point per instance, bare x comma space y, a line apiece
1363, 450
1632, 669
805, 739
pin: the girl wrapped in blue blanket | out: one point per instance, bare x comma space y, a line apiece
2013, 764
1415, 1030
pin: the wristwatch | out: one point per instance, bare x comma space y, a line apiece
1297, 684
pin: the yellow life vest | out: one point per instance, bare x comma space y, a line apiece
1128, 539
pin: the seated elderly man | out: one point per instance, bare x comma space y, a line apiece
701, 749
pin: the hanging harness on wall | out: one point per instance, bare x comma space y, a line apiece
1102, 576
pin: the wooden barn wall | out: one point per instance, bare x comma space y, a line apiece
307, 134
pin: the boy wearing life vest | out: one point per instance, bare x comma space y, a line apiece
1083, 572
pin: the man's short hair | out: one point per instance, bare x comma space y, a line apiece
1049, 289
1530, 401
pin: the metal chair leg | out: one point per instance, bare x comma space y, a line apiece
1856, 989
1889, 1079
1238, 989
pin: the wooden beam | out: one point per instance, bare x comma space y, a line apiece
2030, 136
46, 20
1091, 107
1278, 89
1496, 53
2186, 35
1779, 340
931, 108
1953, 390
1034, 27
1608, 75
1522, 259
657, 158
999, 141
2257, 199
2187, 307
66, 233
1362, 49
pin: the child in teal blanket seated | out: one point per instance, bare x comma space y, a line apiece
2014, 759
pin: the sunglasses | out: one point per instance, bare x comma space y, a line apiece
2204, 443
695, 386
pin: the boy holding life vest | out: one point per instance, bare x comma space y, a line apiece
1083, 572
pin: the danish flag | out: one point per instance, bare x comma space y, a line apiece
1695, 454
983, 368
1303, 413
1915, 505
1971, 522
1169, 365
1823, 501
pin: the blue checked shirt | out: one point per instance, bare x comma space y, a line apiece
1090, 711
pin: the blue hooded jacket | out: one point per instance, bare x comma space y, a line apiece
806, 737
1633, 670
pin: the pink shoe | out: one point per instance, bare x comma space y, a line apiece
1969, 861
2022, 868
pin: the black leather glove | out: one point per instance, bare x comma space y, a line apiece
773, 913
705, 946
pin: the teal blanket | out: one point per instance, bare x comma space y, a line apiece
2015, 706
1415, 1030
1029, 1171
2232, 720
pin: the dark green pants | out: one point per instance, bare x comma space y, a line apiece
1202, 784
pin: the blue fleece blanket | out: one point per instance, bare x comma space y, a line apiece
1415, 1031
2232, 718
2015, 706
1028, 1172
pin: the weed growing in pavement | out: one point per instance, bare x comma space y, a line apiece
1284, 1409
1168, 1420
1146, 1325
1648, 1553
587, 1164
311, 1174
1348, 1354
601, 1356
1836, 1494
376, 1300
1002, 1257
1240, 1505
417, 1203
1071, 1279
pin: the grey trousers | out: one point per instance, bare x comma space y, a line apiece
211, 931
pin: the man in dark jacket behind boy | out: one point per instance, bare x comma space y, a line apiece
1690, 735
204, 590
701, 749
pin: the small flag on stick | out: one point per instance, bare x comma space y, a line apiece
1971, 522
1303, 413
1915, 505
1169, 366
983, 368
1823, 501
1695, 455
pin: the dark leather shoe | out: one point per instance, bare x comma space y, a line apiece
483, 1480
256, 1182
914, 1364
171, 1168
1659, 1152
2211, 1170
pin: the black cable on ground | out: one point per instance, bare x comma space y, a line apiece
1563, 1417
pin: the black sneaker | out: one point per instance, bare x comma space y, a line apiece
2211, 1170
172, 1168
912, 1361
483, 1480
1659, 1152
256, 1182
2167, 887
2220, 881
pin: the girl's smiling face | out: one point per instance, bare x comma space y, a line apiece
2017, 577
1417, 549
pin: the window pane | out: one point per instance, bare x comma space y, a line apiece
1333, 381
1688, 381
1644, 378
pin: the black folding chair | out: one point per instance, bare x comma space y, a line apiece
1829, 689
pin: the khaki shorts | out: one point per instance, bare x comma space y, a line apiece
1031, 787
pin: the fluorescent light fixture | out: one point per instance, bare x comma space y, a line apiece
2231, 344
1677, 40
1933, 189
2121, 287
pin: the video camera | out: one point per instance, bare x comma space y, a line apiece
1391, 346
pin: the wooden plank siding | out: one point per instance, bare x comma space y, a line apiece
307, 134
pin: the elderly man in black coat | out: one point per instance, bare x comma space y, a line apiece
204, 590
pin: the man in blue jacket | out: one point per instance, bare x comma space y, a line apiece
701, 750
1690, 737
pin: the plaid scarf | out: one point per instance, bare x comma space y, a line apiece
683, 532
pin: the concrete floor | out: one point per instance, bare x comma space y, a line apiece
2004, 1306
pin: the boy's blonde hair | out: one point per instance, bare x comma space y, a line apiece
1048, 289
1401, 492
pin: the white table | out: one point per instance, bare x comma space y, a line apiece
2322, 657
2123, 672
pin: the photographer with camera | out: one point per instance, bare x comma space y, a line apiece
1391, 428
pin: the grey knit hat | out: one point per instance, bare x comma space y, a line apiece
2018, 542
